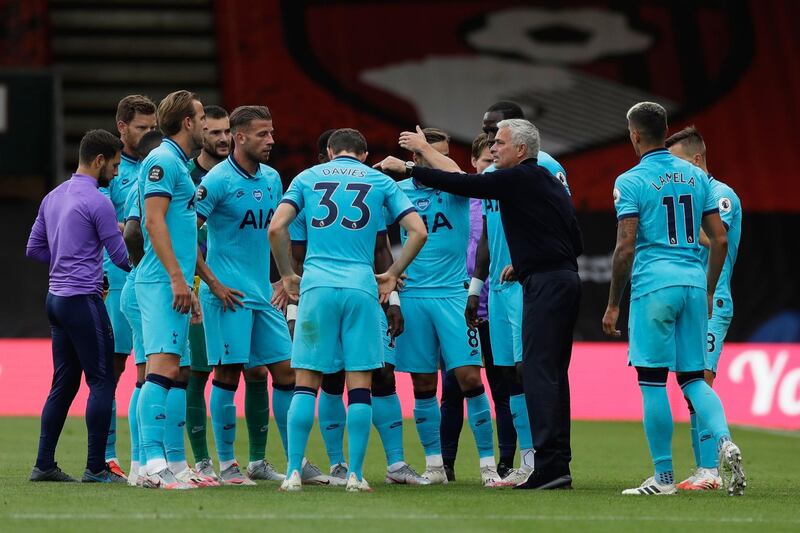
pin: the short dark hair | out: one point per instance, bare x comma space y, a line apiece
322, 141
132, 104
347, 140
173, 109
215, 111
148, 142
689, 137
245, 114
98, 142
435, 135
507, 109
650, 120
479, 145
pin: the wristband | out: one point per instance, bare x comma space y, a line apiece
475, 287
291, 312
394, 298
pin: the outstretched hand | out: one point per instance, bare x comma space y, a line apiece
391, 165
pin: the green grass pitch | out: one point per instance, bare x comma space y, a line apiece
607, 458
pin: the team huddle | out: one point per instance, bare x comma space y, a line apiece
197, 302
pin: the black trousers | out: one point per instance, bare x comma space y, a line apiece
82, 343
550, 310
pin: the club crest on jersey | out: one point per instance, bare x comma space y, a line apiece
155, 174
258, 195
423, 203
725, 205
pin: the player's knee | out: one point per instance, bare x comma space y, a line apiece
384, 375
183, 374
424, 383
383, 383
684, 378
333, 383
228, 374
469, 377
282, 373
257, 373
652, 376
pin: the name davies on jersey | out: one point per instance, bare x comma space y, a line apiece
676, 177
355, 172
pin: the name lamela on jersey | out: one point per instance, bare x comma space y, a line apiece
676, 177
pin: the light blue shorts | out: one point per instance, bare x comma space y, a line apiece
164, 330
667, 329
130, 309
123, 337
337, 329
505, 325
436, 327
252, 337
388, 344
717, 331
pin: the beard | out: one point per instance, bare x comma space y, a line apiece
105, 176
216, 151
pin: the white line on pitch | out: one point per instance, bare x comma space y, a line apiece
339, 517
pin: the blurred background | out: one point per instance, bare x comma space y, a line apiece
732, 68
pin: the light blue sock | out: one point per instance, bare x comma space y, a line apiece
359, 425
331, 424
300, 421
174, 445
281, 399
658, 430
522, 424
695, 438
111, 442
223, 419
709, 458
133, 424
388, 419
480, 421
428, 419
709, 410
152, 416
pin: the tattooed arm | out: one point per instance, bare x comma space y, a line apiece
621, 265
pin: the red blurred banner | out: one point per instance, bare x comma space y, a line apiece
575, 66
758, 383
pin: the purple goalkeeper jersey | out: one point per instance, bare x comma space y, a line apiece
75, 222
475, 230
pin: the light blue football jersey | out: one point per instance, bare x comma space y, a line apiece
133, 211
499, 254
117, 191
238, 208
440, 269
343, 202
730, 210
165, 173
670, 196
